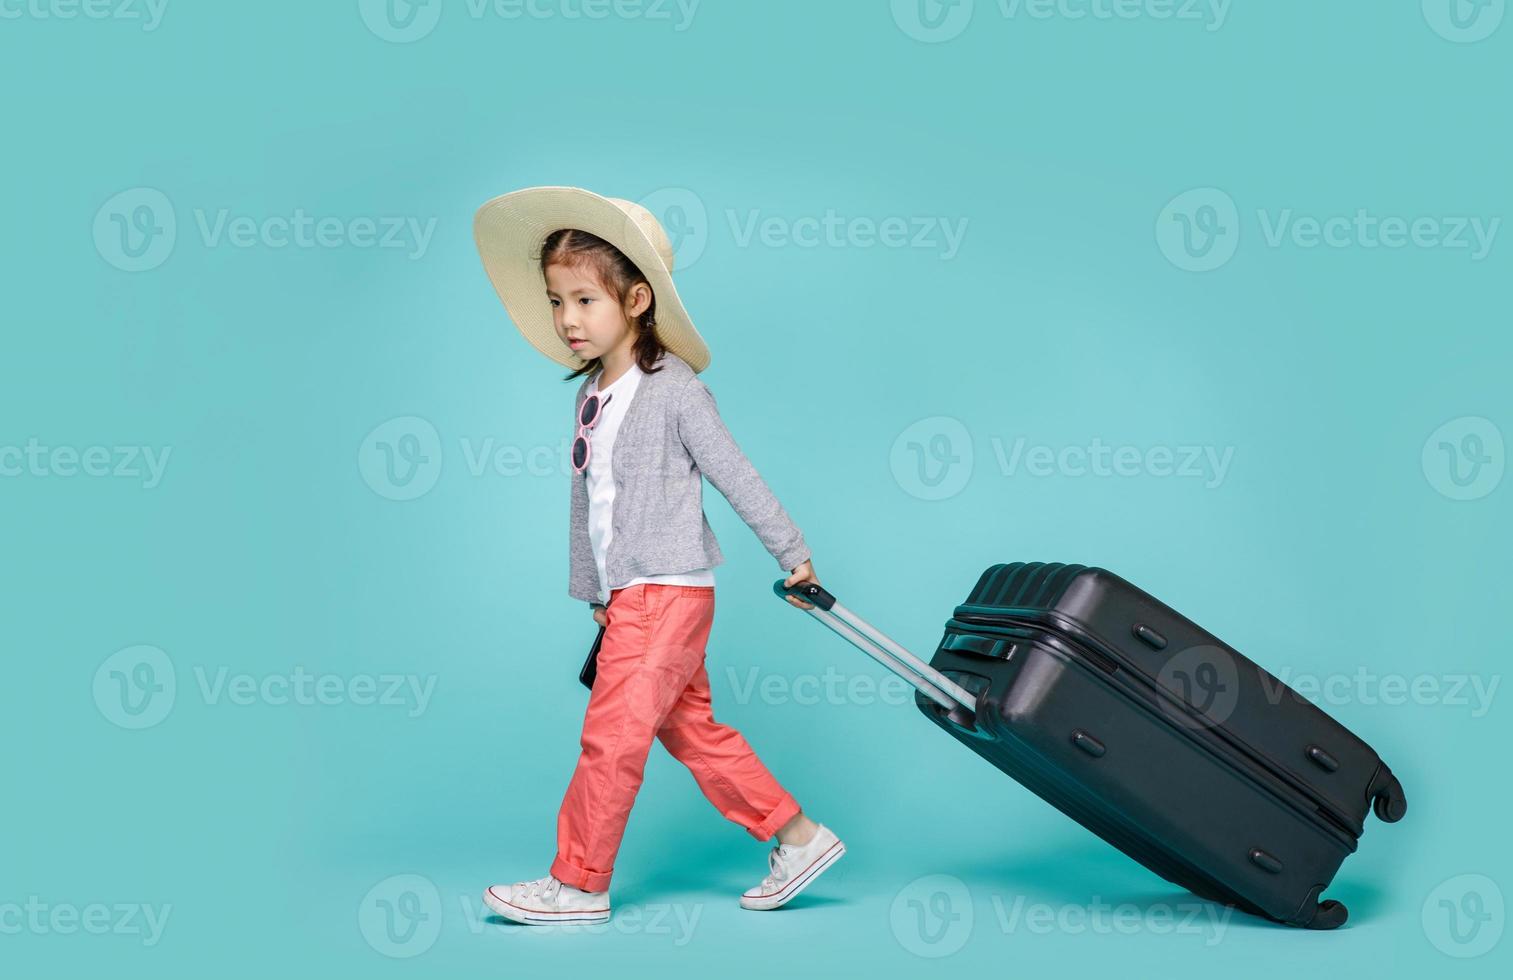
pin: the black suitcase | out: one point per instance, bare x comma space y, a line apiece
1149, 731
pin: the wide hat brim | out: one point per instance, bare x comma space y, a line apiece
509, 231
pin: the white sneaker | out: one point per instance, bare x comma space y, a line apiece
792, 869
547, 901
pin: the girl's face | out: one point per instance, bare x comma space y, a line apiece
586, 315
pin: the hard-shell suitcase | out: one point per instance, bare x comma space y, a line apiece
1148, 730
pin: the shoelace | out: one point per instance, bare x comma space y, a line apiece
546, 885
774, 859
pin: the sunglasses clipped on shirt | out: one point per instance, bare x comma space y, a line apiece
588, 417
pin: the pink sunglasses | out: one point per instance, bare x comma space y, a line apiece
588, 416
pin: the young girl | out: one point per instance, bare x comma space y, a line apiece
587, 279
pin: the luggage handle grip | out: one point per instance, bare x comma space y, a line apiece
983, 646
873, 642
811, 592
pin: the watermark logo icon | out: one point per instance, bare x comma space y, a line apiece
1204, 678
932, 21
932, 916
1464, 459
1463, 916
400, 916
401, 459
684, 218
1199, 230
656, 691
932, 459
1464, 21
135, 687
135, 230
400, 21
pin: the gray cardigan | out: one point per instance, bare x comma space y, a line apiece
669, 436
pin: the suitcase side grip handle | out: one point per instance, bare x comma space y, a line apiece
1088, 744
986, 646
1264, 861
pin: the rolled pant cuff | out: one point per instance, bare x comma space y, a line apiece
571, 874
781, 814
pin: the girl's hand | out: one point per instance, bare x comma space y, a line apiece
803, 572
601, 616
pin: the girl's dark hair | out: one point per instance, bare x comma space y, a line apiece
618, 274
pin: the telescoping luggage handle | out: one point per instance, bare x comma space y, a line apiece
926, 679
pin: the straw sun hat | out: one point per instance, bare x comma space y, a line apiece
511, 229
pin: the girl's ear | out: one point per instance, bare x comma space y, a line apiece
639, 299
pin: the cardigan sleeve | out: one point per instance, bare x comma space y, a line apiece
718, 457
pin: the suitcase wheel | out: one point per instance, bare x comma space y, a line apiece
1328, 914
1389, 801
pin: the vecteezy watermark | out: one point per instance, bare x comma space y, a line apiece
136, 688
830, 688
1463, 916
1365, 687
1366, 230
1204, 920
684, 219
401, 459
1464, 458
400, 21
1464, 21
301, 230
673, 922
1206, 682
1212, 14
137, 230
404, 21
1205, 686
1209, 464
932, 916
1199, 230
144, 463
149, 12
400, 916
409, 691
934, 21
42, 918
933, 459
932, 233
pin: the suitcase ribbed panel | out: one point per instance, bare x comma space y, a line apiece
1024, 584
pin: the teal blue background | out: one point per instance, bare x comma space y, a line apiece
1325, 550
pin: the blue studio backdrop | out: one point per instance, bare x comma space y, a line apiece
1212, 293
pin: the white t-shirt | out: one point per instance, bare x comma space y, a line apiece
601, 484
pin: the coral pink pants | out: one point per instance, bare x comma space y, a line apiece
651, 683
